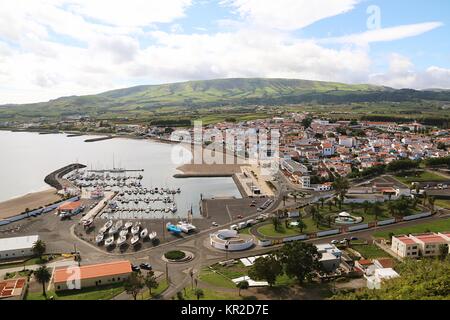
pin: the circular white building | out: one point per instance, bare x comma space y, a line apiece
230, 240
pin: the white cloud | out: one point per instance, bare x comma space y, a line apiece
387, 34
289, 14
403, 74
54, 48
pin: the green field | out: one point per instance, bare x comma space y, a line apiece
215, 279
163, 285
210, 294
423, 176
434, 226
29, 262
100, 293
370, 251
442, 203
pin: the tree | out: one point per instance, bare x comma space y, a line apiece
306, 122
443, 251
199, 293
150, 281
243, 285
39, 248
301, 225
366, 206
341, 185
300, 260
276, 222
431, 201
376, 210
424, 279
322, 201
266, 268
134, 284
43, 276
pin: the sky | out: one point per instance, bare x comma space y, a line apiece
54, 48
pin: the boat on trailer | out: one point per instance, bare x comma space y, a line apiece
152, 235
144, 233
135, 240
99, 238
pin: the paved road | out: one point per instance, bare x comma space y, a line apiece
60, 238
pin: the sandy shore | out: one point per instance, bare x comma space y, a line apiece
31, 201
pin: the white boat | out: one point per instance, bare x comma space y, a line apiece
186, 227
99, 238
136, 228
114, 229
123, 233
88, 222
174, 208
152, 235
108, 224
135, 240
103, 229
128, 225
121, 240
109, 242
144, 234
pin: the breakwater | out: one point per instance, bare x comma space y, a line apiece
53, 178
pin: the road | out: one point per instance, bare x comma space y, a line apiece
59, 237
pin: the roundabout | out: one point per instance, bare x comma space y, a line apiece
178, 256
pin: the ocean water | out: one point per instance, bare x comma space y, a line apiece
26, 158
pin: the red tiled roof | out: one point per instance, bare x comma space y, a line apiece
70, 206
431, 238
11, 287
365, 262
95, 271
386, 262
406, 240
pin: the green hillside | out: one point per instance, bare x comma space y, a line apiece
144, 100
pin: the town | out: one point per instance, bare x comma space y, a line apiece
360, 203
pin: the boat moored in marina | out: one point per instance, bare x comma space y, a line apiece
99, 238
135, 240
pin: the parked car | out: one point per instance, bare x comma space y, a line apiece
334, 242
215, 224
135, 268
343, 241
146, 266
240, 216
353, 238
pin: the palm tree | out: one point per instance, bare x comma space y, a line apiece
322, 201
301, 225
43, 276
366, 206
431, 203
375, 210
199, 293
425, 197
39, 248
341, 185
243, 285
276, 223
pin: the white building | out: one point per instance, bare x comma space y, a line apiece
305, 181
345, 141
376, 280
331, 256
414, 246
17, 247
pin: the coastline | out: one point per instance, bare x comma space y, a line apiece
34, 200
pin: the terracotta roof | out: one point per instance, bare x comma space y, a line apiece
365, 262
386, 262
69, 206
94, 271
431, 238
406, 240
11, 288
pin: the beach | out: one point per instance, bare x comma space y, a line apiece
31, 201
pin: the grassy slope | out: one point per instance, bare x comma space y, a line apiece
434, 226
192, 93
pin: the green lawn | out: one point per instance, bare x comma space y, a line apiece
370, 251
210, 294
442, 203
434, 226
422, 176
268, 230
163, 285
29, 262
100, 293
358, 211
231, 272
214, 278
